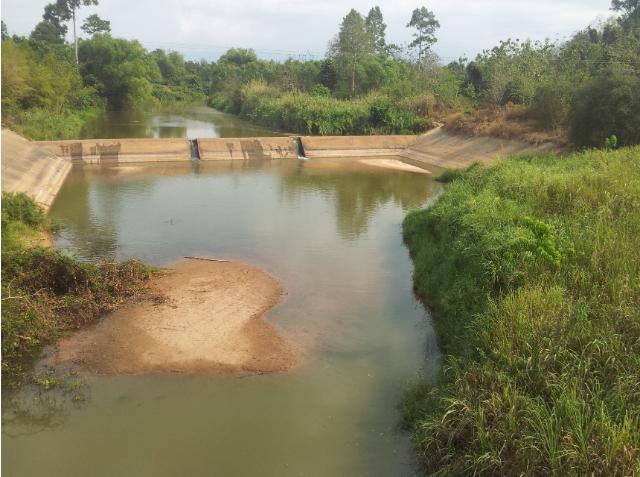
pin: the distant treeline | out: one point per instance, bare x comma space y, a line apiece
587, 87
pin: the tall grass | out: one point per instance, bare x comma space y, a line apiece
318, 114
42, 124
532, 269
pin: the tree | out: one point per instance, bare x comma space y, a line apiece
239, 56
47, 32
424, 21
376, 27
626, 6
608, 105
94, 24
66, 10
5, 32
353, 45
121, 71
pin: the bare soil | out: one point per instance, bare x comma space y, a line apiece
208, 318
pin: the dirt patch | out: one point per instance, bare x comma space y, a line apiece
209, 319
394, 164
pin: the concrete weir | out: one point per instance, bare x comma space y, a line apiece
39, 168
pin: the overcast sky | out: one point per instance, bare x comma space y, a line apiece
280, 28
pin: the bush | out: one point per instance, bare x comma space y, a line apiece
607, 105
323, 115
45, 293
530, 267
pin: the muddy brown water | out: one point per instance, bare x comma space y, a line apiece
189, 121
330, 232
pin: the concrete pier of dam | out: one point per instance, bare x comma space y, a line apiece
39, 168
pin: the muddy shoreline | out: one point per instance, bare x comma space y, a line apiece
207, 317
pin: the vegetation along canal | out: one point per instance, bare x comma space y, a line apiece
330, 232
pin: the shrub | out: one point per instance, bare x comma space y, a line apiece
608, 105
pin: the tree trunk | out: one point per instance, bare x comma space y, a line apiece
353, 81
75, 36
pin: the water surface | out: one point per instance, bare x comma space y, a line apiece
186, 122
331, 233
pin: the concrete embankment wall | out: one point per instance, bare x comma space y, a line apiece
101, 151
443, 149
247, 148
31, 169
356, 146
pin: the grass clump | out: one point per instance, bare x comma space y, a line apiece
45, 293
532, 269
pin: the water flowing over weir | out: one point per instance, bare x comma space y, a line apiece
300, 148
195, 149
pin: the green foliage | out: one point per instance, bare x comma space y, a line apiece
45, 293
94, 24
324, 115
354, 45
530, 267
43, 95
122, 71
425, 23
607, 105
376, 27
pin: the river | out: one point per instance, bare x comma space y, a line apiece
330, 232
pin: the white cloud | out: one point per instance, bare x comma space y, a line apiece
276, 28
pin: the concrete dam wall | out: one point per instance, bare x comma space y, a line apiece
355, 146
249, 148
31, 169
97, 151
100, 151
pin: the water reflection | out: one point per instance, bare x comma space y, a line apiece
186, 122
348, 306
358, 192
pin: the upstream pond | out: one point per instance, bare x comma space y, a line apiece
188, 121
330, 232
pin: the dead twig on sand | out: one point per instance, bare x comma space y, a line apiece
208, 259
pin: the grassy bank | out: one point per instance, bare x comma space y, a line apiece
45, 125
321, 114
532, 268
44, 293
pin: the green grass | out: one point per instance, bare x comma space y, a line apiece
324, 115
45, 293
532, 269
41, 124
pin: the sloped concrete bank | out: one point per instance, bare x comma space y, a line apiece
442, 149
31, 169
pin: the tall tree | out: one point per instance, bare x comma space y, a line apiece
47, 33
352, 46
5, 32
626, 6
424, 21
66, 10
376, 27
94, 24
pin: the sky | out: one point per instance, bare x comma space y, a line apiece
278, 29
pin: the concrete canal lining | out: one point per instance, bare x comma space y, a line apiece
31, 169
